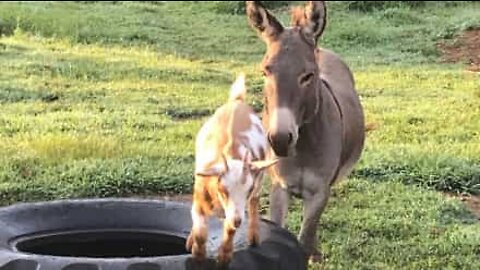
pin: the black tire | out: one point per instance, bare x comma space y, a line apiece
127, 234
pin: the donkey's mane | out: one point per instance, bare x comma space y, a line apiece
297, 16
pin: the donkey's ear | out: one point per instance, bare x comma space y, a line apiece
314, 19
260, 19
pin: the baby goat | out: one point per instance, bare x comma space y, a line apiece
229, 167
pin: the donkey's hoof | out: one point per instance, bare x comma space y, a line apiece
316, 257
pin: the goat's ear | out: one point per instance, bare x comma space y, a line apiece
248, 156
225, 163
260, 19
262, 164
216, 170
314, 19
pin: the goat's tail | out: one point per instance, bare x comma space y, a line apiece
238, 90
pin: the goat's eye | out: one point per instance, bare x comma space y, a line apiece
306, 79
250, 190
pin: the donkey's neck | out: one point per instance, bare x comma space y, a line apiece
313, 105
310, 133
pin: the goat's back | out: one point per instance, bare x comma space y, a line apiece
232, 129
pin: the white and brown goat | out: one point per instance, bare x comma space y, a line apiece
230, 149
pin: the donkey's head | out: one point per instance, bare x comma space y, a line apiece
290, 69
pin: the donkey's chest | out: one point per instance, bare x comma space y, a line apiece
310, 170
313, 146
301, 180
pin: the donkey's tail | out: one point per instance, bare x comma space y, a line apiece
238, 90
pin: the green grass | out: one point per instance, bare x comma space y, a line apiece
393, 226
107, 100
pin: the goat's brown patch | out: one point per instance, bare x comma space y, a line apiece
205, 194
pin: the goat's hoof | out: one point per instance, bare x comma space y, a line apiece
199, 253
222, 266
189, 243
254, 240
224, 258
199, 258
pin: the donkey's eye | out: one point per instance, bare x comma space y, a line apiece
306, 79
267, 70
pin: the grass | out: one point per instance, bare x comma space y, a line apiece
107, 101
392, 226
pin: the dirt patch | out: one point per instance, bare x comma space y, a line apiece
464, 49
473, 203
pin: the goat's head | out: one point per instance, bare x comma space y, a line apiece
236, 181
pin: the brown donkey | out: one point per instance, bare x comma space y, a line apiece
313, 115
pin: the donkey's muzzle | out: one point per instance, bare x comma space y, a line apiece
280, 143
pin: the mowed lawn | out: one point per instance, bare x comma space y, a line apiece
105, 100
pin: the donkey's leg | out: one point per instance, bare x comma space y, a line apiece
286, 173
279, 201
313, 207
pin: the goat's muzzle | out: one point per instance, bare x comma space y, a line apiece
237, 222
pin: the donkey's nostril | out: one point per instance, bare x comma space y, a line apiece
280, 142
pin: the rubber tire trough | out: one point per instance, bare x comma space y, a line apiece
128, 234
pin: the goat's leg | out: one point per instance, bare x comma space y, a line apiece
226, 249
278, 204
253, 220
253, 235
313, 207
196, 241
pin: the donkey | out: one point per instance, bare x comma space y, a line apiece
229, 166
312, 114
